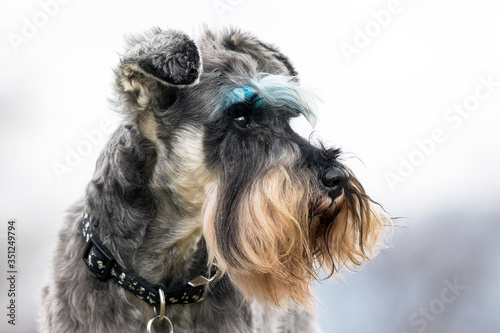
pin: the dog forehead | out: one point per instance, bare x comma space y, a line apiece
223, 65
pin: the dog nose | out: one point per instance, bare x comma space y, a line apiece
334, 180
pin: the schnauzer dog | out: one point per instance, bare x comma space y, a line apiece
207, 212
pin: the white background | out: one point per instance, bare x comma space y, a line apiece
380, 104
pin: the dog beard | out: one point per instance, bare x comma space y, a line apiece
272, 236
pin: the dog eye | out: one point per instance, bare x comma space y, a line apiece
241, 122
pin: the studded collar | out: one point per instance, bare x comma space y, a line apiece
104, 266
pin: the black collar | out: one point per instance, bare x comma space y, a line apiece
104, 266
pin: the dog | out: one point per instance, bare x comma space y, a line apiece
207, 212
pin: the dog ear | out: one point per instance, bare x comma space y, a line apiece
268, 57
168, 57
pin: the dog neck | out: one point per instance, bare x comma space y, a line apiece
101, 262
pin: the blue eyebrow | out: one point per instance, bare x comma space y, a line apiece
275, 90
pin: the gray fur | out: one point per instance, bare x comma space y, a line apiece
148, 190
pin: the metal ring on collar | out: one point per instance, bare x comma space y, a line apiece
161, 316
162, 304
170, 326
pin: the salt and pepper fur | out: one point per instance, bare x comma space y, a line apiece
180, 185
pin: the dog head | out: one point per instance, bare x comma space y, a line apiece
272, 207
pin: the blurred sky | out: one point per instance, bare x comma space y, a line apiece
410, 89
